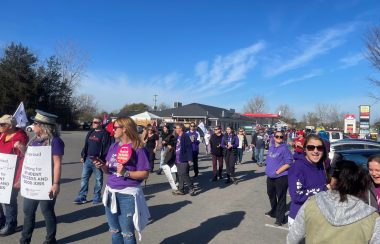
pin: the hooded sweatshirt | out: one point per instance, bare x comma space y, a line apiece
277, 157
8, 147
324, 219
305, 179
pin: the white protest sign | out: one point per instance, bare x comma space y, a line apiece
36, 175
7, 172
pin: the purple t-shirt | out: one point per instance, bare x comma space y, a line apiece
57, 145
139, 161
178, 150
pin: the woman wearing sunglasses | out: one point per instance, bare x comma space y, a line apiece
278, 161
307, 176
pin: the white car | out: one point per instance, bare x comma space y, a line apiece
334, 135
349, 144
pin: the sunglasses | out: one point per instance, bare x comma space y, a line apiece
95, 122
279, 137
192, 126
36, 123
3, 124
117, 127
311, 148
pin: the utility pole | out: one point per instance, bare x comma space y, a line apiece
155, 102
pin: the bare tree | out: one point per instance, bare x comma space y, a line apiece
286, 112
322, 112
310, 119
163, 106
372, 42
72, 61
257, 104
86, 107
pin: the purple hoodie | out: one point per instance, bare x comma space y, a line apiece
305, 180
196, 140
277, 157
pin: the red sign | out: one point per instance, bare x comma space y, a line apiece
349, 116
124, 153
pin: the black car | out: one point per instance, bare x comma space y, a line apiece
86, 125
359, 156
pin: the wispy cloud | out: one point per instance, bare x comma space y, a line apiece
309, 47
224, 74
312, 74
351, 60
227, 71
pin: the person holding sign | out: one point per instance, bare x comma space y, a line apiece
127, 164
47, 135
12, 141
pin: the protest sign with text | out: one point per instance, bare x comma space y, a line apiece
7, 172
36, 176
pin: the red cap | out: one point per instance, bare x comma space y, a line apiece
300, 132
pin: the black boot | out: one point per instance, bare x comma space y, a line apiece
159, 171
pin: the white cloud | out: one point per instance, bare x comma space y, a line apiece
310, 47
351, 60
226, 71
310, 75
225, 74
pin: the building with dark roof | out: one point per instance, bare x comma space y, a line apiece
209, 115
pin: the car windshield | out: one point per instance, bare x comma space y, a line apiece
335, 135
360, 159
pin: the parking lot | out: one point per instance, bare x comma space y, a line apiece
219, 213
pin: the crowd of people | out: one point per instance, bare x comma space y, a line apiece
336, 201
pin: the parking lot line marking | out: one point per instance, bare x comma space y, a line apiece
277, 227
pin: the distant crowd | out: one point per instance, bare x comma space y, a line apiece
328, 202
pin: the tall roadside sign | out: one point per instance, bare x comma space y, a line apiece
364, 116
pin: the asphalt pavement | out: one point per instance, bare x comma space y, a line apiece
218, 213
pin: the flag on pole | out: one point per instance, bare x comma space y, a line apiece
20, 116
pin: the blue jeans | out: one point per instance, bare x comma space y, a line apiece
162, 156
259, 155
47, 209
121, 223
8, 212
88, 169
240, 154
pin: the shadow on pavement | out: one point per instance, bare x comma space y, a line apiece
66, 180
160, 211
204, 183
208, 229
82, 214
101, 229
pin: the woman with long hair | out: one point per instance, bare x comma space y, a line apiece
127, 165
46, 134
151, 144
374, 173
307, 176
339, 215
13, 140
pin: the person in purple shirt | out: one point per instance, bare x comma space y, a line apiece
184, 155
278, 161
307, 176
46, 134
195, 140
230, 143
123, 191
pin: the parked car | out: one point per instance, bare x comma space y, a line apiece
359, 156
347, 144
86, 125
334, 135
248, 129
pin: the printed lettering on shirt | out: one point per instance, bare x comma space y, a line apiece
308, 192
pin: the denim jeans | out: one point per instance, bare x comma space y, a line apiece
88, 169
121, 223
259, 155
240, 154
8, 212
47, 209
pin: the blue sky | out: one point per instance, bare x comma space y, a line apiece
220, 53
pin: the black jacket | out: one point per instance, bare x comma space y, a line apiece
170, 157
216, 141
105, 144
